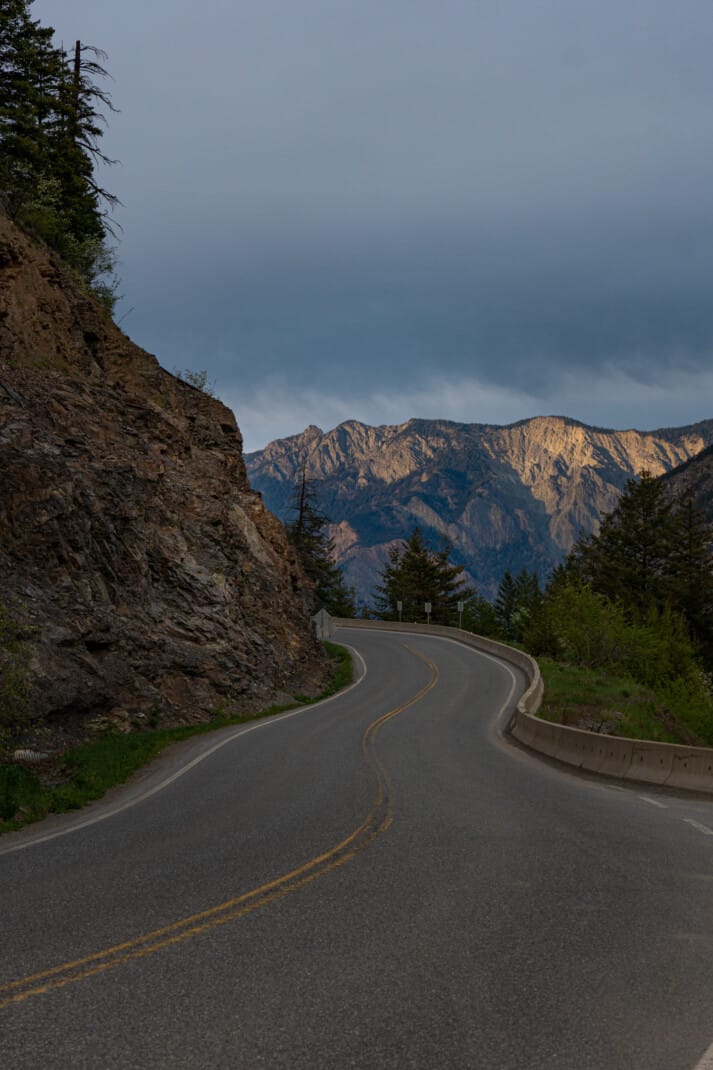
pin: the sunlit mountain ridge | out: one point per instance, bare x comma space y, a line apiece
507, 497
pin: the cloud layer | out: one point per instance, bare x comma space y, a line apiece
497, 208
275, 409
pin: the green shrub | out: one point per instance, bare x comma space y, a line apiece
14, 684
19, 789
582, 628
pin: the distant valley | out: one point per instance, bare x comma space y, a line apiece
507, 497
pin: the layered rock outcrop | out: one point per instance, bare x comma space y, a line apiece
149, 579
507, 497
695, 477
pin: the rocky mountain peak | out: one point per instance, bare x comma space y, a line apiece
507, 497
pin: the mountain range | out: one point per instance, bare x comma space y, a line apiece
506, 497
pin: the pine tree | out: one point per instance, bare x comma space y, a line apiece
315, 549
78, 139
30, 70
50, 128
506, 605
528, 597
416, 574
517, 601
654, 556
690, 572
631, 556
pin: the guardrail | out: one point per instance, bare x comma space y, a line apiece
668, 764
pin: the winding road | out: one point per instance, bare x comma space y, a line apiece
377, 881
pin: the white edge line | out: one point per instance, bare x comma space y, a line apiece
653, 802
490, 657
242, 731
698, 826
464, 646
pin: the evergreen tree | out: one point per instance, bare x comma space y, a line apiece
506, 605
631, 556
50, 128
77, 139
30, 70
315, 549
654, 556
517, 601
416, 574
690, 572
528, 596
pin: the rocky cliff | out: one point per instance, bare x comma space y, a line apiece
695, 476
149, 579
507, 497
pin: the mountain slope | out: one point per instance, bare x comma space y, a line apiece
696, 476
507, 497
148, 578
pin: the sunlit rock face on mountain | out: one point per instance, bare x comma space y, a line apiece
506, 497
148, 578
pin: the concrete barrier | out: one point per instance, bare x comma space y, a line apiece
524, 729
617, 756
544, 736
645, 761
584, 750
692, 768
651, 762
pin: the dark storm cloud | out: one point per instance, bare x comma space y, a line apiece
513, 308
364, 198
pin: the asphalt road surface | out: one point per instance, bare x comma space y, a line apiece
377, 881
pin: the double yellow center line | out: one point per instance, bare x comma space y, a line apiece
378, 820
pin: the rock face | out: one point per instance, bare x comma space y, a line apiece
507, 497
695, 476
151, 580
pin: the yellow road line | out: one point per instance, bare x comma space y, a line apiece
377, 821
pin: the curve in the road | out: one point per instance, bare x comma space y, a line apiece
377, 821
164, 782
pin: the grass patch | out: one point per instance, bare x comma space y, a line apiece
101, 764
604, 702
342, 674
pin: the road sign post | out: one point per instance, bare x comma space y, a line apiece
399, 608
428, 612
461, 607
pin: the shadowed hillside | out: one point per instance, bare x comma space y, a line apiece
696, 476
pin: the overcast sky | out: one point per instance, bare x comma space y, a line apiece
477, 210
